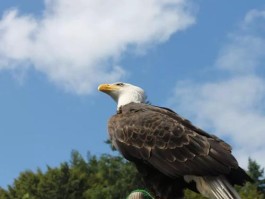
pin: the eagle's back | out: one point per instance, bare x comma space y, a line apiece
161, 142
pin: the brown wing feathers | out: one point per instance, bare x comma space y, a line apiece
166, 147
168, 142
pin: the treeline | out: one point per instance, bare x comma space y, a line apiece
104, 177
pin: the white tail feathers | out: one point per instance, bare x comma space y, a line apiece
214, 187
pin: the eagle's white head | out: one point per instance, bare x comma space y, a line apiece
123, 93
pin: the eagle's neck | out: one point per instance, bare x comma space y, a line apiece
135, 97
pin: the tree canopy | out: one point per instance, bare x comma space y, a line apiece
108, 177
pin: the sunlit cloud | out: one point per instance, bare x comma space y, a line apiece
232, 107
78, 44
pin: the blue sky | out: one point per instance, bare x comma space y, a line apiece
204, 59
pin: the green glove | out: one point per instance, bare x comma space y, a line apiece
139, 194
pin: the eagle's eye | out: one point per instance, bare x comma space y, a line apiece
120, 84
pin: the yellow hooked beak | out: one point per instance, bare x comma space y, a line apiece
108, 87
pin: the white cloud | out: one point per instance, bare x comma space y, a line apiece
245, 50
77, 44
243, 55
233, 108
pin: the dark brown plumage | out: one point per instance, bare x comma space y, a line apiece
165, 147
170, 152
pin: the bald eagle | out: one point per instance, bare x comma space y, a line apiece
169, 152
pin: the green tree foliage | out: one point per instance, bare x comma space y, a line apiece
253, 190
3, 194
257, 174
111, 177
254, 170
108, 177
250, 191
192, 195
